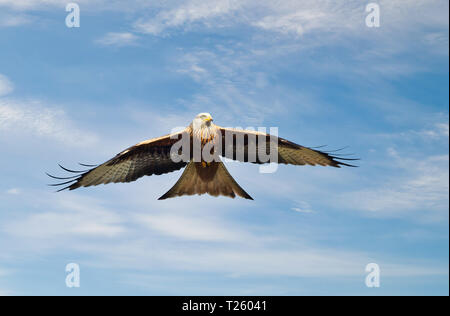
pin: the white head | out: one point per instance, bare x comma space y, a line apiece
202, 120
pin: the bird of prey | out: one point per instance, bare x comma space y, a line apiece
199, 148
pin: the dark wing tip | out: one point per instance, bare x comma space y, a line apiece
72, 171
337, 157
61, 178
317, 147
72, 180
62, 183
72, 184
86, 165
337, 161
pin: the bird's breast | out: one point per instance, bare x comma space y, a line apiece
206, 135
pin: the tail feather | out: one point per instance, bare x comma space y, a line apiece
213, 179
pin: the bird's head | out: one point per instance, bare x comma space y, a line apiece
202, 120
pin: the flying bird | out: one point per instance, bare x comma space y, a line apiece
198, 148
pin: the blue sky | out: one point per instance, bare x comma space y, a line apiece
135, 70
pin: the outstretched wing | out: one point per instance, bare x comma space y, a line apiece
239, 144
144, 159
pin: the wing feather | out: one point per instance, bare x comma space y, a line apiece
288, 152
150, 157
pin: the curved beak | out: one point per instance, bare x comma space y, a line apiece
208, 119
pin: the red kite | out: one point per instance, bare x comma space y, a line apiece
205, 173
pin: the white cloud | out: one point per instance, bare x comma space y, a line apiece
282, 16
422, 193
303, 207
285, 17
183, 227
185, 240
5, 293
298, 28
12, 20
234, 90
298, 22
72, 216
442, 129
437, 131
302, 210
186, 14
3, 272
259, 261
13, 191
36, 4
23, 118
299, 17
118, 39
6, 86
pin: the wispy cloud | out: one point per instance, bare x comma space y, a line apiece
242, 73
442, 129
13, 191
303, 210
6, 85
183, 242
231, 85
69, 216
38, 4
183, 227
15, 19
118, 39
303, 207
437, 131
326, 17
294, 17
434, 132
31, 117
284, 17
186, 14
423, 192
5, 292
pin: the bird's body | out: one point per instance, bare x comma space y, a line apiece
199, 148
203, 131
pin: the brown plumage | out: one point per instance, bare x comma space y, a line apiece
157, 156
212, 178
288, 152
147, 158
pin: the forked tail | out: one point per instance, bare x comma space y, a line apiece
200, 178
